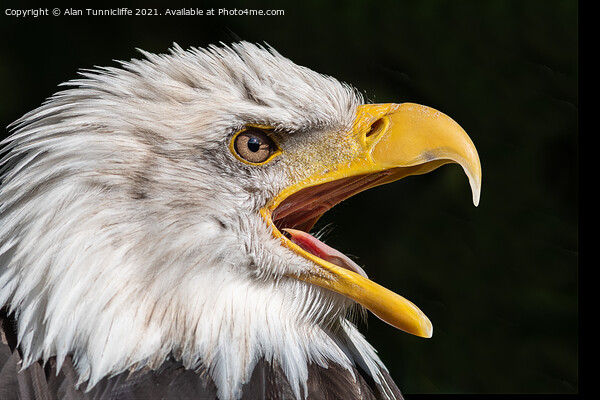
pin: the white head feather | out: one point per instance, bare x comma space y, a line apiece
130, 232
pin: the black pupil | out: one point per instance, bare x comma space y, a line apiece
254, 144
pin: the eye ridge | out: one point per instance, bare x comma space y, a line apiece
253, 145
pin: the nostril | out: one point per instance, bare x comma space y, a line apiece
375, 127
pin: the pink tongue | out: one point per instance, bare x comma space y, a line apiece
314, 246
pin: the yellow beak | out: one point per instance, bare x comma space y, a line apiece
393, 141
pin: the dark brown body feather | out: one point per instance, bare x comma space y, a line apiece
171, 380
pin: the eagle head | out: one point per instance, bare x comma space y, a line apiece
161, 210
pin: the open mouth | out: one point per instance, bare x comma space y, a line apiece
295, 215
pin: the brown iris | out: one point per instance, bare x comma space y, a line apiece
253, 145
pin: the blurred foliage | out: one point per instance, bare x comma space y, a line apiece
499, 282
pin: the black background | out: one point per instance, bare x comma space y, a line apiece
500, 281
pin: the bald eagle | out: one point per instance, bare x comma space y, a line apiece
155, 230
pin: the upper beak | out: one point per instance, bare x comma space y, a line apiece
419, 139
394, 141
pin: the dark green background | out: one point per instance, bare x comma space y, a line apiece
499, 282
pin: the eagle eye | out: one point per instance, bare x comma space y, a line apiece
253, 145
